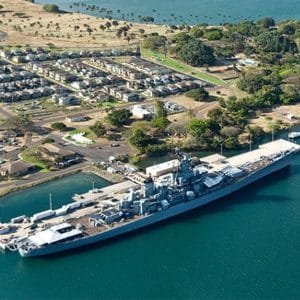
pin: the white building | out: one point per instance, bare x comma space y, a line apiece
163, 168
140, 112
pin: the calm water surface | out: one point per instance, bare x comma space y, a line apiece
189, 11
246, 246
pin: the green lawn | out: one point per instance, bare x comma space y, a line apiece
30, 158
179, 66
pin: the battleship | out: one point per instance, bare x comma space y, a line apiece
161, 192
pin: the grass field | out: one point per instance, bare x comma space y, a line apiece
30, 157
179, 66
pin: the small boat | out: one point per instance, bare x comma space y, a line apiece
294, 134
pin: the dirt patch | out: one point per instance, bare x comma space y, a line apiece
3, 36
193, 108
288, 115
27, 24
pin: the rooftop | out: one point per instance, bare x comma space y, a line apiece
265, 150
15, 167
55, 148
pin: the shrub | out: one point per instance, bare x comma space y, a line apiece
53, 8
59, 126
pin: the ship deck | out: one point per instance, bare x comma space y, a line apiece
107, 196
111, 195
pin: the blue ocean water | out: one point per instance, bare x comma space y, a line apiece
245, 246
189, 11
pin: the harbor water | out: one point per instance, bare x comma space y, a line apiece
245, 246
190, 11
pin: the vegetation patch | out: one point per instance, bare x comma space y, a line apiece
179, 66
52, 8
34, 155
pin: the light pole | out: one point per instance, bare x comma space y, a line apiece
50, 201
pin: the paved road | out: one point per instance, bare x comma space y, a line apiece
202, 111
6, 112
93, 153
60, 116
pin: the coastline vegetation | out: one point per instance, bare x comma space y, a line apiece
52, 8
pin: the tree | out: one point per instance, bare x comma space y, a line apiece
154, 42
108, 25
213, 34
115, 23
48, 140
138, 138
288, 29
1, 6
181, 38
275, 125
89, 30
268, 96
59, 126
273, 41
203, 130
159, 109
147, 19
266, 22
195, 53
230, 131
216, 115
255, 132
196, 32
241, 30
119, 118
160, 120
198, 94
251, 81
99, 129
53, 8
289, 94
231, 143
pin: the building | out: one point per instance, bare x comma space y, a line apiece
76, 118
140, 112
16, 168
131, 97
56, 152
163, 168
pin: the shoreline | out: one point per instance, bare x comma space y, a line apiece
214, 17
84, 169
43, 31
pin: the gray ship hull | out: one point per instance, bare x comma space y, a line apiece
163, 215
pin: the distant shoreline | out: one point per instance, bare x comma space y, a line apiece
176, 13
17, 14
